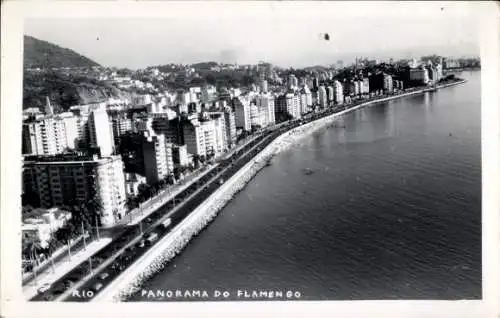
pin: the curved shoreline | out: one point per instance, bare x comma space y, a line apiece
139, 273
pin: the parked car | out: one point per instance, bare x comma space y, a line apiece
48, 297
42, 289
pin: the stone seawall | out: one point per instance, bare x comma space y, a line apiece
134, 278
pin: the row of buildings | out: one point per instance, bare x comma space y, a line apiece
80, 155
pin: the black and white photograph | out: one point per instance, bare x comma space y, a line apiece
273, 152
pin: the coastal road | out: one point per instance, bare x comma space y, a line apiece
113, 269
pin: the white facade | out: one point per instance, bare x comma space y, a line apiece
71, 129
45, 137
158, 160
329, 94
266, 105
221, 143
242, 113
263, 86
366, 86
420, 74
199, 137
289, 103
339, 92
80, 180
322, 97
388, 85
100, 133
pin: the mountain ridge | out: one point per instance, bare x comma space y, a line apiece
43, 54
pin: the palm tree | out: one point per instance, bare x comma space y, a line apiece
32, 246
51, 248
94, 206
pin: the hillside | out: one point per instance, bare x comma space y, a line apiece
65, 91
42, 54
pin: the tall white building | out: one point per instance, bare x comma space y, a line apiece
329, 94
199, 137
420, 74
71, 129
46, 136
242, 113
339, 92
322, 97
221, 142
100, 133
263, 86
366, 85
357, 88
293, 83
208, 93
158, 160
70, 180
289, 103
230, 124
388, 84
266, 105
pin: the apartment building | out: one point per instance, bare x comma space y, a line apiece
241, 108
100, 132
158, 159
199, 137
46, 136
289, 103
72, 179
266, 105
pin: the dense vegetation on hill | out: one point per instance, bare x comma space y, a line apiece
42, 54
64, 90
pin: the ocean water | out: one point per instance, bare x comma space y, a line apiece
392, 210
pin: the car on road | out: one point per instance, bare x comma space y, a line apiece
42, 289
103, 275
59, 289
97, 287
148, 220
68, 283
130, 249
49, 297
141, 243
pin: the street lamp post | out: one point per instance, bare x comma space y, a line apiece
84, 240
97, 228
69, 249
34, 268
50, 249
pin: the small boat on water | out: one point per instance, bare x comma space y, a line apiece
308, 171
269, 162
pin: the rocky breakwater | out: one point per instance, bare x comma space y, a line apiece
135, 277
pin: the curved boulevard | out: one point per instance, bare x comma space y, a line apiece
123, 251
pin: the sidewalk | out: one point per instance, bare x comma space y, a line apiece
164, 196
56, 256
62, 267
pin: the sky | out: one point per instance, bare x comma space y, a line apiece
288, 37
